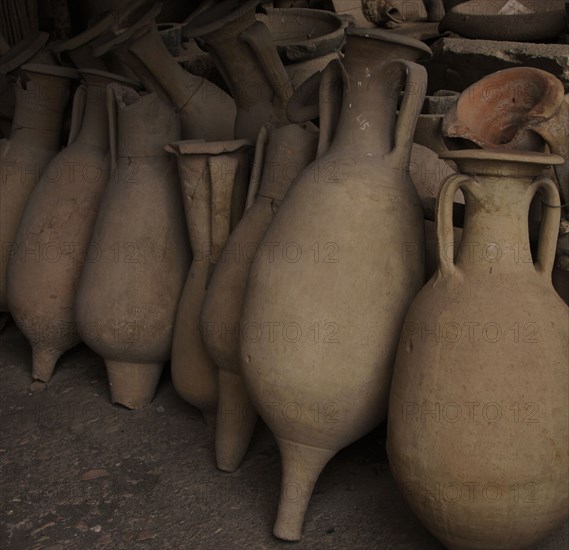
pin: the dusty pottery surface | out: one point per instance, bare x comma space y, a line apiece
42, 94
56, 228
307, 40
516, 383
245, 54
205, 111
30, 50
350, 197
513, 20
214, 178
129, 289
114, 49
281, 154
302, 34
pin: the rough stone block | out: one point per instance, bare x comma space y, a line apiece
459, 62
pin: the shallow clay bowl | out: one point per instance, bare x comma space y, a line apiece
480, 19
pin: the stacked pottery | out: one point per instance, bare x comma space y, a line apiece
478, 431
42, 93
281, 154
129, 288
345, 268
53, 236
518, 109
205, 111
244, 52
307, 40
214, 177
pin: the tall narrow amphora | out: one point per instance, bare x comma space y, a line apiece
214, 178
281, 154
53, 236
478, 433
323, 312
139, 253
247, 58
42, 94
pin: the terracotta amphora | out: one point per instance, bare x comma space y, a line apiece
281, 154
139, 252
42, 94
478, 433
324, 312
214, 178
53, 236
247, 58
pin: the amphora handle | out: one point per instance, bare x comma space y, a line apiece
77, 112
549, 232
259, 39
258, 163
112, 113
445, 229
330, 96
415, 88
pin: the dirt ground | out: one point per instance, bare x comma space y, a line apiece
78, 472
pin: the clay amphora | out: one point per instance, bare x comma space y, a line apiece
53, 236
114, 49
245, 54
281, 154
130, 286
206, 111
478, 431
41, 97
324, 315
214, 177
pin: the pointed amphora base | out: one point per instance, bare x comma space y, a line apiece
44, 361
301, 467
236, 419
133, 384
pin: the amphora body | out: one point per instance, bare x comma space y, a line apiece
478, 429
281, 154
55, 230
347, 262
214, 177
130, 286
41, 99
